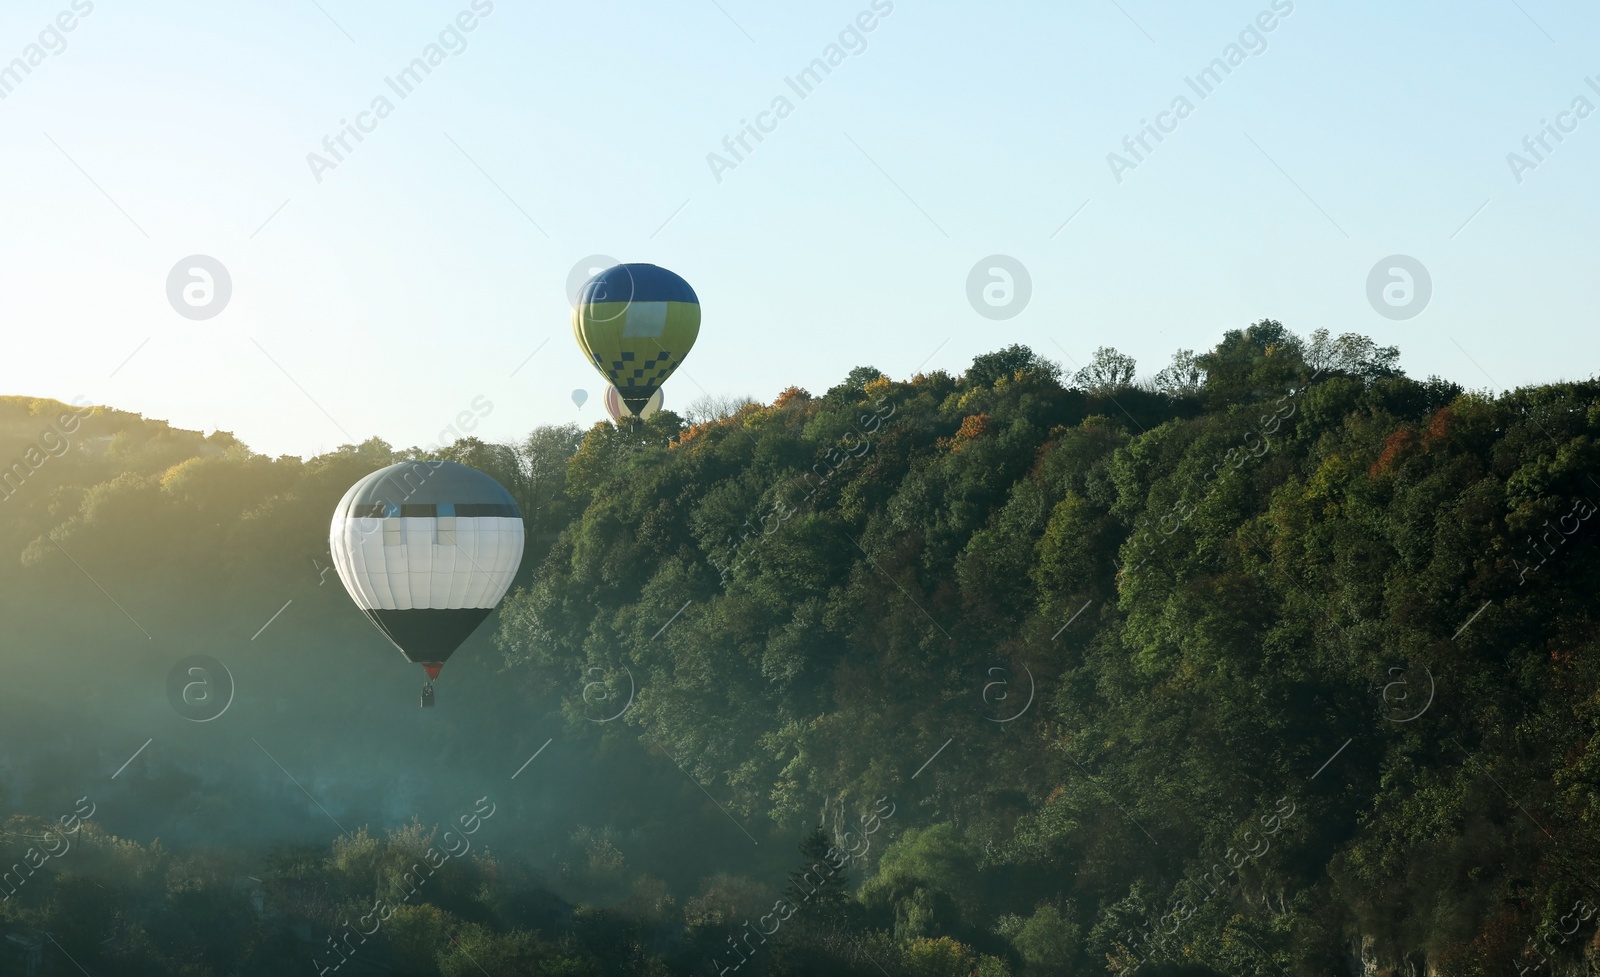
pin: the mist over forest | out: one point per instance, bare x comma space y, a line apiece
1279, 661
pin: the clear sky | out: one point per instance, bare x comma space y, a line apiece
385, 293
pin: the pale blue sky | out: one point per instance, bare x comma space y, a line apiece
406, 284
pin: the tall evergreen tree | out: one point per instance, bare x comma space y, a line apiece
818, 890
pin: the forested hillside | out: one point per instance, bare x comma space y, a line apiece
1279, 662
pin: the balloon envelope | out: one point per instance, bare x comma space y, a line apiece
620, 411
426, 550
636, 323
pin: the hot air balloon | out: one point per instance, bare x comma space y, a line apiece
426, 550
620, 412
636, 323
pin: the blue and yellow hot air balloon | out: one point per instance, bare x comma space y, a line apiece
636, 323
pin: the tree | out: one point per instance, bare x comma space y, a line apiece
1047, 941
1248, 364
818, 889
1107, 373
1352, 354
1183, 377
857, 379
707, 408
989, 368
921, 883
538, 481
475, 949
939, 957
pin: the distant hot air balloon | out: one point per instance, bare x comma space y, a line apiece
426, 550
620, 412
636, 323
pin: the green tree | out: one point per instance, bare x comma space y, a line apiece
989, 368
1183, 377
818, 889
1108, 372
1047, 941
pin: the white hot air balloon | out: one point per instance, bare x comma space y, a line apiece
618, 409
426, 550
